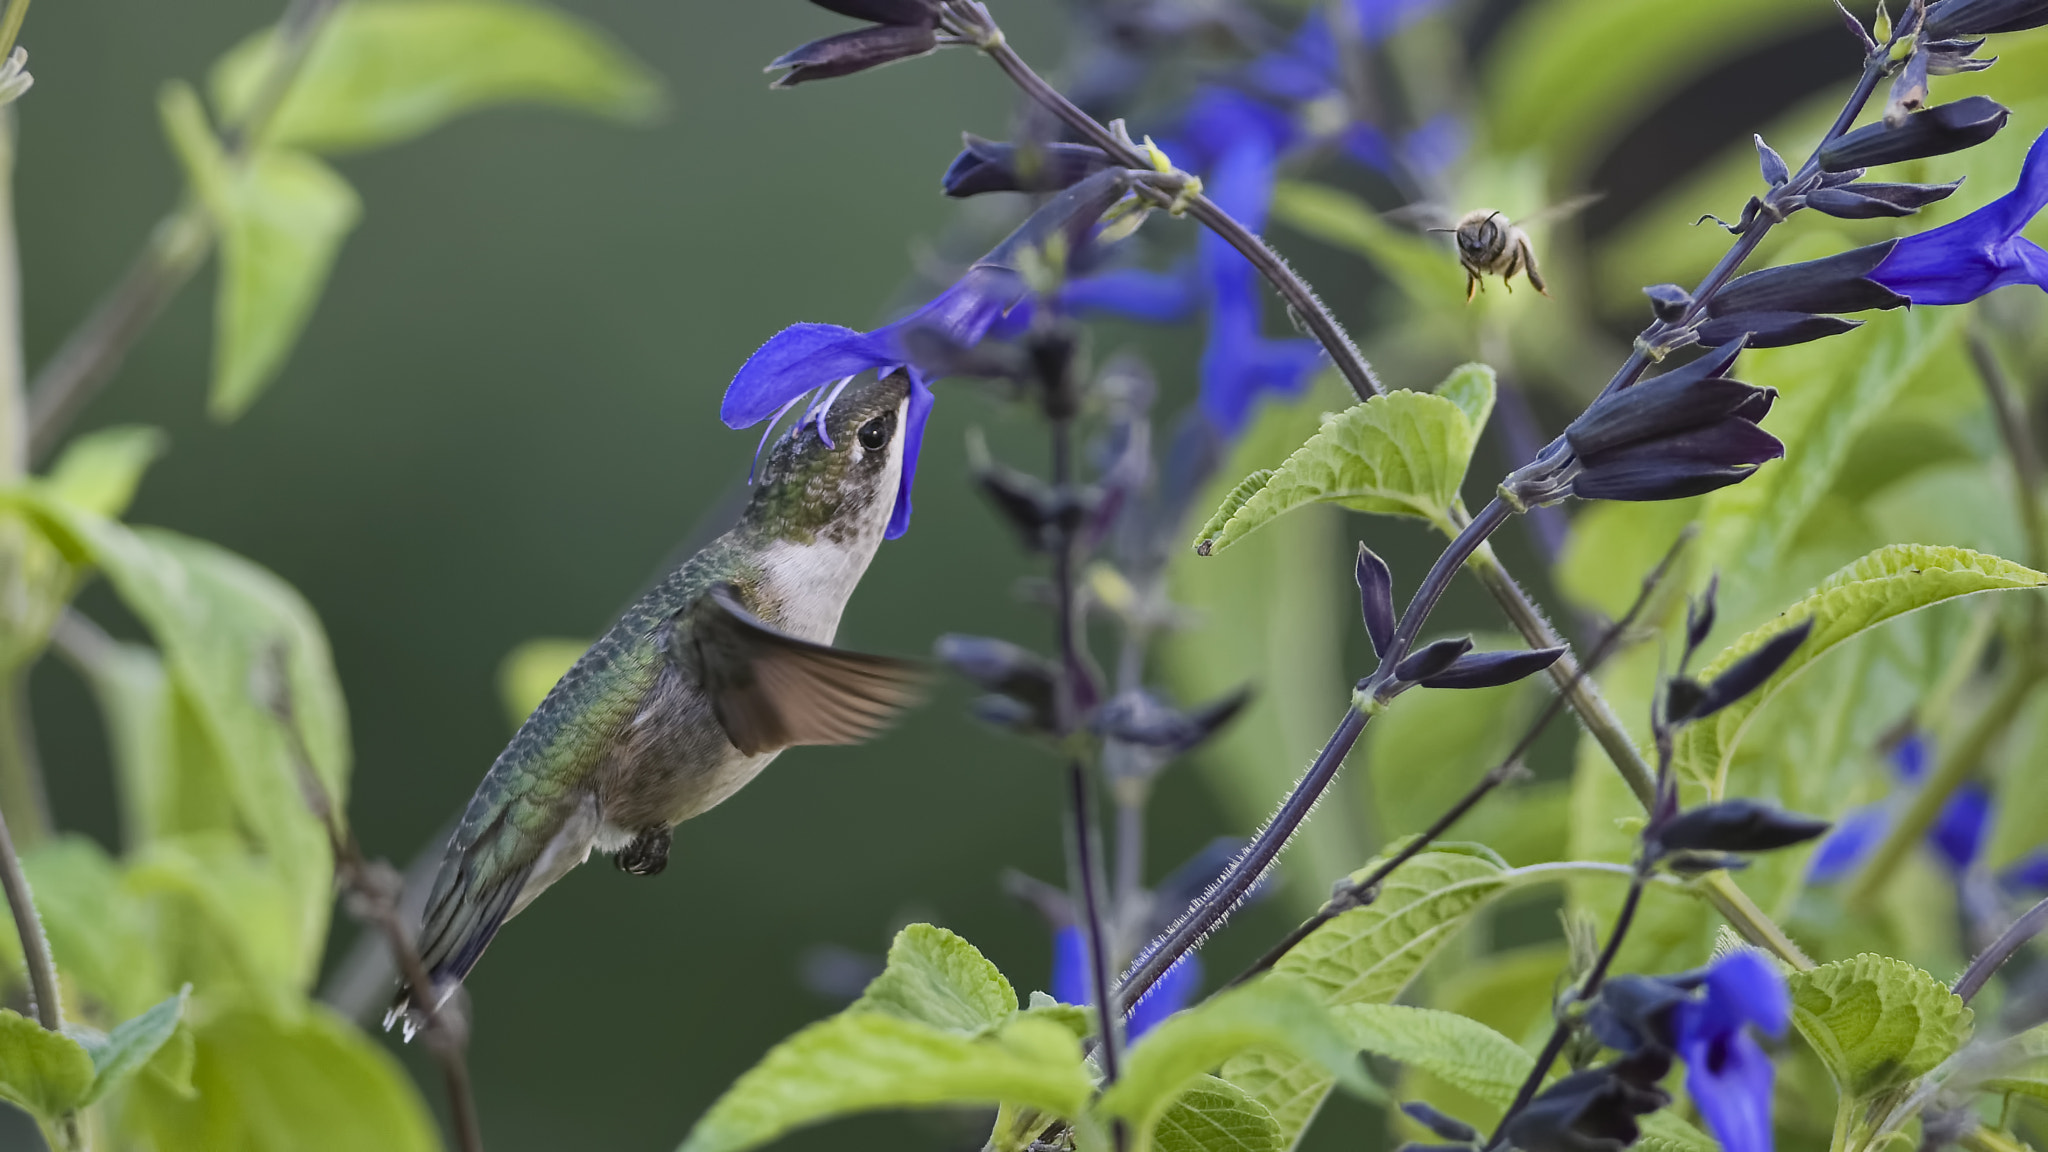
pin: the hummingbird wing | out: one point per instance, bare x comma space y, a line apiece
771, 690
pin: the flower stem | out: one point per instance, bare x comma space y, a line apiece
35, 947
1954, 768
1979, 973
1300, 298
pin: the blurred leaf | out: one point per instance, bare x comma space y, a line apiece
1402, 454
1567, 76
934, 977
867, 1061
383, 71
1278, 1012
100, 470
100, 933
1613, 544
527, 673
132, 1044
1471, 387
310, 1083
1509, 992
1885, 584
2021, 1065
282, 216
232, 919
172, 1065
1877, 1022
2019, 815
48, 1073
1481, 1062
1426, 272
1425, 753
1216, 1116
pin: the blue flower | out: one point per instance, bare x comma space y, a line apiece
1961, 261
1956, 837
1727, 1073
1070, 982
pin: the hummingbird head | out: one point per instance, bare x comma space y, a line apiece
838, 481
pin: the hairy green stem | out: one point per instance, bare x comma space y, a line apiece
1949, 774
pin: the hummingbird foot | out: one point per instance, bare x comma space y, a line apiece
647, 855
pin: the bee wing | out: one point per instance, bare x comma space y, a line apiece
770, 690
1423, 216
1562, 210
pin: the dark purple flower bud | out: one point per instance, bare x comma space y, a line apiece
1750, 672
1140, 718
1590, 1111
994, 166
1937, 131
1953, 57
1838, 283
1432, 660
1976, 17
1738, 826
1775, 170
1775, 329
1699, 615
1493, 669
1872, 201
1633, 1013
1028, 503
1668, 301
850, 52
1448, 1127
1658, 407
1686, 463
1071, 215
1856, 28
1008, 712
1021, 676
1376, 598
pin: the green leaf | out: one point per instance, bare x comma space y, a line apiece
1479, 1061
1278, 1012
1216, 1116
1402, 454
132, 1044
1471, 388
2019, 1064
1370, 954
1245, 490
1888, 583
282, 216
1425, 272
1876, 1022
936, 978
383, 71
310, 1082
528, 672
47, 1073
100, 470
865, 1061
100, 932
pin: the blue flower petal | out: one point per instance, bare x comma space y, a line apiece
2028, 874
1139, 293
1431, 150
1368, 146
1910, 756
1743, 986
1853, 835
1379, 19
1967, 258
1172, 993
914, 420
1070, 966
794, 361
1958, 832
2012, 212
1729, 1078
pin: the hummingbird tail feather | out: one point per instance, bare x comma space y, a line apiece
461, 918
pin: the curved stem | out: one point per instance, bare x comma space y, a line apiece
1980, 971
35, 947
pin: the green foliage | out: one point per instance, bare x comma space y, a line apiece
1402, 454
1877, 1023
100, 471
385, 71
47, 1073
1236, 499
863, 1061
1367, 955
936, 978
1423, 271
1274, 1013
1215, 1115
1883, 585
132, 1044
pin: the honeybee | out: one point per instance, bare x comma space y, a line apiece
1490, 244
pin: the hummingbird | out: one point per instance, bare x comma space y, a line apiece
689, 695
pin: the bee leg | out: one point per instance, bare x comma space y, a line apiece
1472, 285
647, 855
1529, 266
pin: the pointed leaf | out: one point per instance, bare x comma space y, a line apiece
1402, 454
1245, 490
1278, 1012
47, 1073
1888, 583
1877, 1022
1215, 1115
383, 71
132, 1044
1471, 387
867, 1061
100, 470
1370, 954
937, 978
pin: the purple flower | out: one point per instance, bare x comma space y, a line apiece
1956, 837
1727, 1073
1070, 982
1961, 261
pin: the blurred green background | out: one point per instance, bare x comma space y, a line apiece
500, 423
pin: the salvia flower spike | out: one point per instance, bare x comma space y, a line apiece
1968, 258
1935, 131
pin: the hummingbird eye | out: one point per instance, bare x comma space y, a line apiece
874, 435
